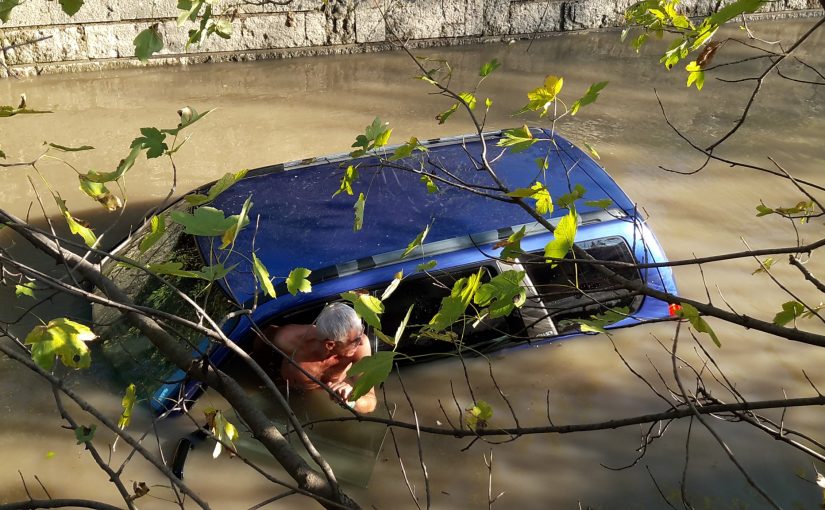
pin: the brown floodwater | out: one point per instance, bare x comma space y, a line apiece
275, 111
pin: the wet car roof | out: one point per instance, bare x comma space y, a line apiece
294, 223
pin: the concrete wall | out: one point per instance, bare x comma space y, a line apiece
101, 34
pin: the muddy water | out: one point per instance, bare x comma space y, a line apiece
269, 112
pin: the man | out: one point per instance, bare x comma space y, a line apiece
325, 350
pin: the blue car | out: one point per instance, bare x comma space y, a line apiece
296, 223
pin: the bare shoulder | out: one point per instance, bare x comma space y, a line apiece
287, 337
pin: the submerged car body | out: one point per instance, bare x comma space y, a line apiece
295, 223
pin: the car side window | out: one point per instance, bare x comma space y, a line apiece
424, 293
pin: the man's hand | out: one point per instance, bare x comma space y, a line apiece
342, 389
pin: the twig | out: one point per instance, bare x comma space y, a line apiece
715, 435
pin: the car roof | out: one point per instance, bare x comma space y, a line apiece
296, 221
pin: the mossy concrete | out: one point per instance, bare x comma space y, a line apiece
101, 34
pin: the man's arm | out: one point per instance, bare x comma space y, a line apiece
368, 401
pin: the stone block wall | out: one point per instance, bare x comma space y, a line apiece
101, 34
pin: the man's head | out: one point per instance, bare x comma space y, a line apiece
339, 324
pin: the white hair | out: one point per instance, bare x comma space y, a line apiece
336, 321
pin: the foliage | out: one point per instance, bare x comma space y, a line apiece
690, 313
63, 339
375, 136
366, 306
222, 429
297, 281
478, 415
502, 294
128, 404
418, 241
370, 371
598, 322
660, 17
563, 237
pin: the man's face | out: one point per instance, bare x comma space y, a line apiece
350, 345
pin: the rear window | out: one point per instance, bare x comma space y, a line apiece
578, 290
133, 357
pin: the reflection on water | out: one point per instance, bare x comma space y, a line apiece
268, 112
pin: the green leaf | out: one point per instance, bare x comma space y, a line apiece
222, 28
63, 339
426, 266
512, 246
205, 221
5, 8
469, 99
428, 181
157, 224
148, 42
241, 220
597, 323
764, 265
537, 192
488, 68
518, 139
85, 434
418, 241
376, 135
262, 275
190, 10
222, 429
9, 111
367, 307
214, 272
544, 202
75, 227
406, 150
564, 234
543, 97
601, 204
443, 116
592, 151
790, 312
216, 189
568, 200
71, 7
2, 154
26, 289
392, 286
63, 148
122, 167
454, 305
128, 404
502, 294
399, 332
589, 97
349, 177
188, 116
100, 193
733, 10
359, 212
297, 281
369, 372
152, 140
695, 75
478, 415
690, 313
